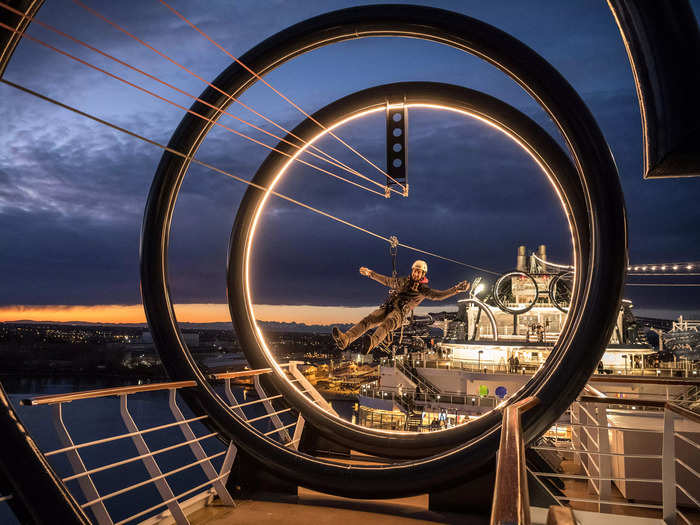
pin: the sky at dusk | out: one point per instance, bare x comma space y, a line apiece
72, 192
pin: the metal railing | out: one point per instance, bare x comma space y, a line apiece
527, 367
191, 436
511, 502
426, 399
598, 446
407, 368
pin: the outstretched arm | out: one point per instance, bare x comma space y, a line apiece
439, 295
382, 279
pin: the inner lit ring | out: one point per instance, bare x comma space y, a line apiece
249, 304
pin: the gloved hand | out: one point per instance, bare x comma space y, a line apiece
365, 271
463, 286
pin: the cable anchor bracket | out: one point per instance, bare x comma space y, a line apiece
396, 130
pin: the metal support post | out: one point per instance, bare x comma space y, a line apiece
604, 459
309, 388
196, 448
668, 469
150, 463
232, 399
274, 418
298, 431
76, 462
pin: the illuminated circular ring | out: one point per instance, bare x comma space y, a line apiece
600, 233
565, 278
500, 301
515, 125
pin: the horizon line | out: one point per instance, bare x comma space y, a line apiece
201, 313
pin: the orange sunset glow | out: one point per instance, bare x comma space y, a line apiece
187, 313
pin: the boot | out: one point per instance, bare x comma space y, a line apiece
341, 340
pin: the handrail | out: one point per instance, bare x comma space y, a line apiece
623, 401
673, 407
103, 392
408, 371
132, 389
240, 373
682, 411
644, 380
511, 503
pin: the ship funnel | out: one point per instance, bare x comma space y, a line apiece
522, 259
542, 252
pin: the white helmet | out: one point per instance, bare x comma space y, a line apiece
421, 265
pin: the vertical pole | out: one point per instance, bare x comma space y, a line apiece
86, 484
668, 469
198, 452
274, 418
604, 460
149, 462
233, 402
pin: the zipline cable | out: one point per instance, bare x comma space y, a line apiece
99, 15
214, 122
228, 174
478, 268
327, 157
257, 76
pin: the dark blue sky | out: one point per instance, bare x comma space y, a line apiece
72, 192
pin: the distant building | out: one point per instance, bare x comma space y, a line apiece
357, 357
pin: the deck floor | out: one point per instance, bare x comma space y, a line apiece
315, 508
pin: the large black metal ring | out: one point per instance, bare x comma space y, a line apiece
602, 232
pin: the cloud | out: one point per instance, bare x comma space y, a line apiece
72, 193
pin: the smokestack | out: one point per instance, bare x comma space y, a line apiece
521, 265
542, 252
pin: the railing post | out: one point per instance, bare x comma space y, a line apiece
309, 388
150, 463
668, 469
604, 460
276, 421
196, 448
85, 482
233, 402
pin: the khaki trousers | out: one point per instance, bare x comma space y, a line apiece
385, 319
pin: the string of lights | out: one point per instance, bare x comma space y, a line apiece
674, 268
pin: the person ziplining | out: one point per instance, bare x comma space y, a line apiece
406, 293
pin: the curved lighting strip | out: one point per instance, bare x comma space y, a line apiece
249, 303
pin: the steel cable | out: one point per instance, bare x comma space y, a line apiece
257, 76
331, 160
327, 157
228, 174
214, 122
